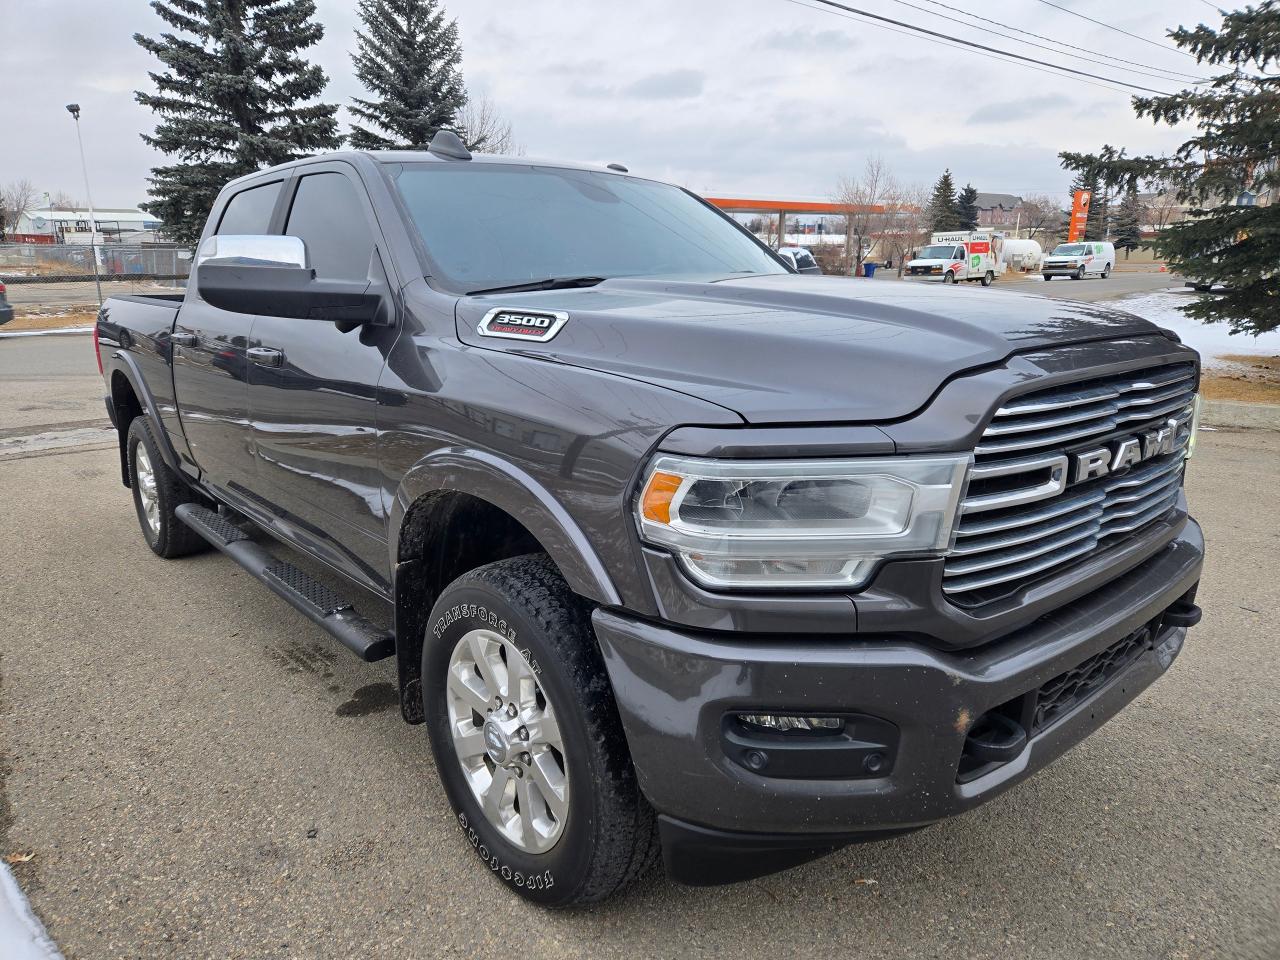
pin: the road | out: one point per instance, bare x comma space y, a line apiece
1120, 284
200, 772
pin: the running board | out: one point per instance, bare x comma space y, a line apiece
305, 594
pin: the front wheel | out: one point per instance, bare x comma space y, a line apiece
988, 278
949, 277
1079, 274
527, 738
1047, 277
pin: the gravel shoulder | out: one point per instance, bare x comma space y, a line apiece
199, 772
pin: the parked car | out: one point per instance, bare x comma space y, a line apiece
1079, 260
6, 308
800, 258
680, 551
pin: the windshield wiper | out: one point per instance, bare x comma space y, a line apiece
551, 283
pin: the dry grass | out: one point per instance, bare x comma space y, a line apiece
50, 318
1244, 378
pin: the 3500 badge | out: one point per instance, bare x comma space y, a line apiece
508, 324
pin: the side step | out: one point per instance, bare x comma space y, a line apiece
333, 613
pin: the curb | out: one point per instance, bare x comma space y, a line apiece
60, 331
1235, 413
22, 935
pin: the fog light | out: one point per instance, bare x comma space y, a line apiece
781, 723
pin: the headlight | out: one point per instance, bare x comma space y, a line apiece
1196, 404
797, 523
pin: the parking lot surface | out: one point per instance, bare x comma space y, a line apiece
197, 771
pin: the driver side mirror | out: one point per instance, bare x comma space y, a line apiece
268, 276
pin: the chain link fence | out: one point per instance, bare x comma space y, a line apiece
25, 263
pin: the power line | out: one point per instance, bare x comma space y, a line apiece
1061, 53
981, 46
950, 43
1165, 47
1062, 43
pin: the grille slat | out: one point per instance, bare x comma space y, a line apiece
1019, 523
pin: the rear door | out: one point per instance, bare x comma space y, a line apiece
209, 366
313, 387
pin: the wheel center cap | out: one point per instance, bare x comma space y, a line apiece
496, 743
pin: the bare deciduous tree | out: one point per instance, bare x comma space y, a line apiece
16, 198
485, 129
64, 201
880, 210
1041, 217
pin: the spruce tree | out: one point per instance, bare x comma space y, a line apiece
967, 208
1229, 173
234, 96
942, 205
408, 58
1127, 232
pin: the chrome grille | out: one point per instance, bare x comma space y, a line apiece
1020, 520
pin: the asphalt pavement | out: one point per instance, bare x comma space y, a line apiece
197, 771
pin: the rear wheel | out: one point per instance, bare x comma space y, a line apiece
1106, 271
988, 278
527, 738
157, 493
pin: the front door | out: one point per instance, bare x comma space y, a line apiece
313, 389
209, 361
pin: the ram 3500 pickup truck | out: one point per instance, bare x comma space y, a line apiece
679, 550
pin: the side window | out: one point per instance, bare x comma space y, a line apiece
250, 210
328, 217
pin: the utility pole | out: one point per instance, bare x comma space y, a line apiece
74, 110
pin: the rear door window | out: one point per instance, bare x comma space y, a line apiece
249, 211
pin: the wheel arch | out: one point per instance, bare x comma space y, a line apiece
131, 399
460, 508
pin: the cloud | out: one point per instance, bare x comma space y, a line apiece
807, 41
670, 85
1010, 111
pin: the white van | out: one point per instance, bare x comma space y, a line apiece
1080, 260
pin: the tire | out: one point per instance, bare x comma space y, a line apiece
988, 278
1106, 271
948, 277
157, 492
1047, 277
603, 836
1079, 274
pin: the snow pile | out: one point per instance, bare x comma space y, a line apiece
1213, 340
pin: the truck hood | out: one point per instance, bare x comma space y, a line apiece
791, 348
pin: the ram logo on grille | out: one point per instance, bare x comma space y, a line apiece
536, 325
1122, 454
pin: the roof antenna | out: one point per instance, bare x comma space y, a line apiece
619, 167
447, 144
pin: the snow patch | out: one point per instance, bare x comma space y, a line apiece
1213, 340
22, 935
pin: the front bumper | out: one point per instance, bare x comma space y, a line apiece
1058, 269
674, 690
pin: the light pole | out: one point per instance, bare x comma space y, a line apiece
74, 110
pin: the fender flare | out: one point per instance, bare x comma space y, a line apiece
124, 363
487, 477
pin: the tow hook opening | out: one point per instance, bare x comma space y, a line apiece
996, 737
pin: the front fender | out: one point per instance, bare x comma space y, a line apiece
481, 474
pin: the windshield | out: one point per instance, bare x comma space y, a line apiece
947, 252
1070, 249
492, 225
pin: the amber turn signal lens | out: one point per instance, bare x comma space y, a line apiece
658, 494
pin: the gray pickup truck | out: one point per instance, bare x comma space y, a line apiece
675, 549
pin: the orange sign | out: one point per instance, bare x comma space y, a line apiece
1079, 215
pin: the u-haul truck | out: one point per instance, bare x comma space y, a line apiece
959, 255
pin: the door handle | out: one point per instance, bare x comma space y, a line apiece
183, 339
266, 356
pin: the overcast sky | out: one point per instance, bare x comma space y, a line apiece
766, 98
